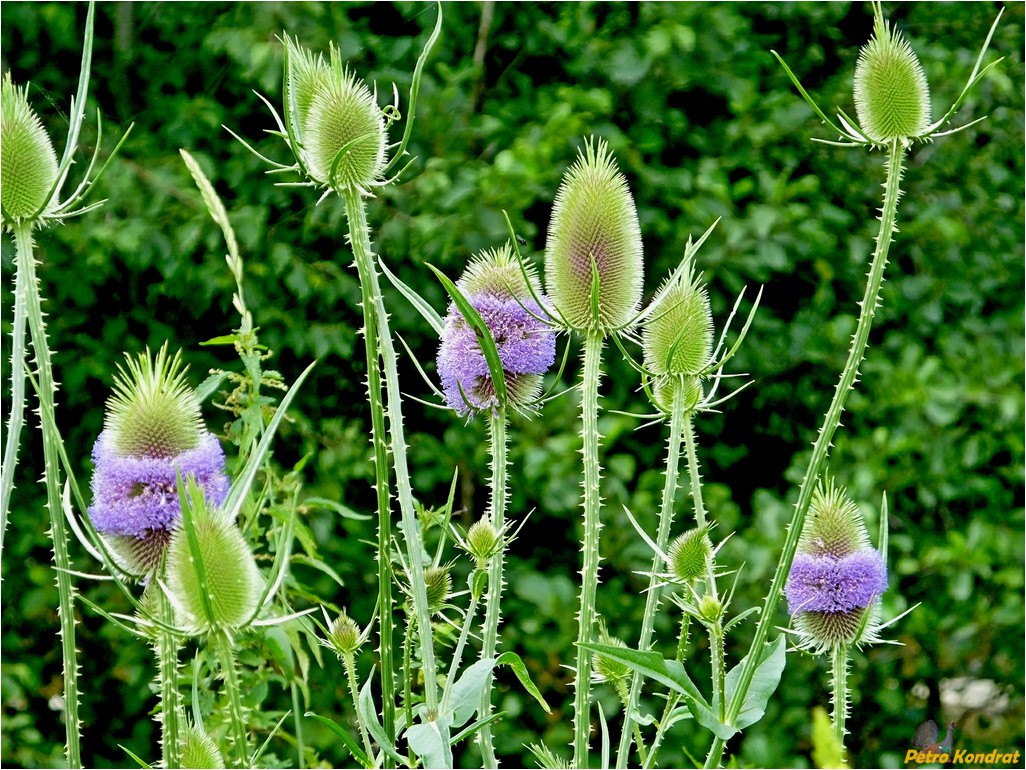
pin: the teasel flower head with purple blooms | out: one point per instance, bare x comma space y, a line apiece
152, 434
836, 577
594, 237
496, 287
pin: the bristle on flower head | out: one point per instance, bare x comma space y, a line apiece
892, 98
834, 525
594, 230
199, 750
153, 411
677, 339
28, 163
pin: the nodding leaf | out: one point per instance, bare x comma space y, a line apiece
484, 335
350, 743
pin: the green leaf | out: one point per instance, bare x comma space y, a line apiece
431, 741
672, 674
342, 510
827, 751
350, 743
484, 335
426, 311
513, 660
465, 695
224, 339
368, 715
207, 388
138, 761
764, 682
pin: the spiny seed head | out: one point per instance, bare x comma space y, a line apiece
153, 412
820, 631
483, 540
28, 163
678, 336
609, 669
663, 390
199, 750
344, 635
343, 129
139, 555
439, 586
689, 555
594, 227
892, 98
233, 580
497, 272
834, 526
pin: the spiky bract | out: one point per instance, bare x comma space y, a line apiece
594, 230
199, 750
834, 526
28, 162
233, 582
342, 129
892, 98
496, 288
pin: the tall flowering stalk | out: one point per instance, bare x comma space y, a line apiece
593, 274
31, 198
893, 106
338, 137
503, 297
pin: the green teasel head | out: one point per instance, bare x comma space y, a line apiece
677, 338
483, 541
594, 241
689, 554
498, 273
606, 668
834, 525
341, 129
892, 98
153, 411
344, 635
439, 585
664, 389
28, 161
212, 578
199, 750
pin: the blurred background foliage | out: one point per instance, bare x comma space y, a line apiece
704, 124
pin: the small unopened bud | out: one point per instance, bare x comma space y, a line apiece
609, 669
233, 582
439, 586
344, 635
199, 750
483, 540
689, 555
710, 608
892, 98
28, 163
594, 229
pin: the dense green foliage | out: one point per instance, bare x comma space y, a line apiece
704, 124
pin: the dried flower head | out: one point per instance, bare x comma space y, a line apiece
28, 162
594, 231
495, 287
892, 98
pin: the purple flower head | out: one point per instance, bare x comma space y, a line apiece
496, 289
827, 584
135, 495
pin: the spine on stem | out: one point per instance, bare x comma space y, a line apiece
496, 580
832, 420
590, 546
236, 716
359, 235
170, 699
839, 660
58, 533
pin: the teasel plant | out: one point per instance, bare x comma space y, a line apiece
31, 198
893, 109
338, 137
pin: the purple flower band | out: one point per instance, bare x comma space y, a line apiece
133, 495
525, 344
826, 584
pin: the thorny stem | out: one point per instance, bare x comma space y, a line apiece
170, 699
674, 697
888, 215
590, 546
349, 664
457, 654
654, 589
496, 581
840, 684
359, 236
621, 690
236, 718
51, 472
381, 467
23, 253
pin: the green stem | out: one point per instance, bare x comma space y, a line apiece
590, 545
368, 285
349, 664
170, 698
51, 473
840, 684
674, 697
496, 581
236, 717
654, 593
832, 420
23, 253
297, 719
621, 690
457, 654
